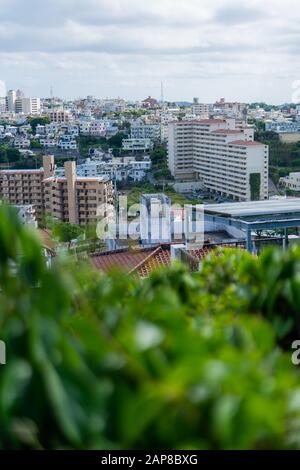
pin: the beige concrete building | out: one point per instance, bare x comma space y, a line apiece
289, 137
22, 187
59, 116
292, 181
77, 200
226, 159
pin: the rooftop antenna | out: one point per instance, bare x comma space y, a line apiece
162, 93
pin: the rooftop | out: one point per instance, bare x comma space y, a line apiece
201, 121
143, 262
83, 179
255, 208
40, 170
228, 131
245, 143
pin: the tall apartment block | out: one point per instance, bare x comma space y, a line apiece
224, 158
60, 116
77, 200
201, 109
28, 105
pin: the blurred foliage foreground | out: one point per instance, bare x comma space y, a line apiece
175, 361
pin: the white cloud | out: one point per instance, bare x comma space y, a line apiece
2, 89
125, 47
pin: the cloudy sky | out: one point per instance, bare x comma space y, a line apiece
243, 50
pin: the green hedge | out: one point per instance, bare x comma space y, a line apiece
255, 186
175, 361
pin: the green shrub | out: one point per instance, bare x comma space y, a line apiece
175, 361
255, 186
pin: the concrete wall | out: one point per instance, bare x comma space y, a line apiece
188, 186
219, 227
289, 137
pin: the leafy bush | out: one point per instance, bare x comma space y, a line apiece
255, 186
174, 361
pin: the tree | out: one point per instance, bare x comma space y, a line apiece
116, 140
34, 121
35, 144
66, 232
159, 156
176, 361
3, 154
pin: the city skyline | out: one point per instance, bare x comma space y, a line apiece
244, 52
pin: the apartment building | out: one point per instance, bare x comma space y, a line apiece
29, 106
231, 109
225, 159
10, 101
292, 181
48, 142
113, 105
283, 126
140, 130
77, 200
72, 199
23, 187
201, 109
59, 116
67, 142
137, 145
22, 142
94, 128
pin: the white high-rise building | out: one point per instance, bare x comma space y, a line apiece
29, 106
16, 102
224, 158
10, 101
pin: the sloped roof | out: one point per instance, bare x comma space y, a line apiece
143, 262
158, 258
124, 259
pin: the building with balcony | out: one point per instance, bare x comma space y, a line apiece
137, 145
225, 159
73, 199
292, 181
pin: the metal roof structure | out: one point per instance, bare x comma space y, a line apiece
256, 215
255, 208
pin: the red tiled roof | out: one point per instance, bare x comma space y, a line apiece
140, 263
201, 253
122, 259
143, 262
158, 258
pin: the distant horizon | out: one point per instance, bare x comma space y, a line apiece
166, 100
